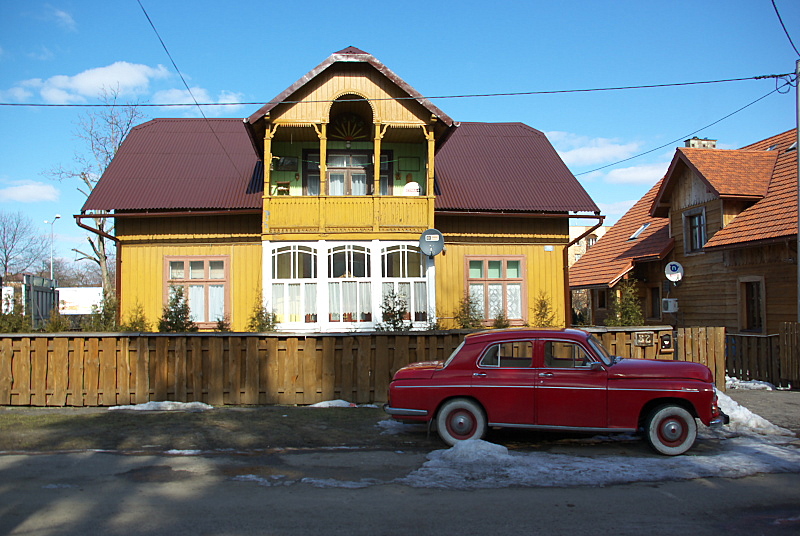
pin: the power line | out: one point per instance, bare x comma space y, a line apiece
164, 46
465, 96
686, 136
780, 19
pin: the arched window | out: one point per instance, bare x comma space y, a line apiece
294, 287
350, 297
403, 272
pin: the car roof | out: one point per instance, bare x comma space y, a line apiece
483, 337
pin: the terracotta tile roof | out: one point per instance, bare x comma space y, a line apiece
615, 254
743, 174
774, 216
505, 167
182, 164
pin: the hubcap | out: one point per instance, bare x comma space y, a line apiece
461, 423
672, 431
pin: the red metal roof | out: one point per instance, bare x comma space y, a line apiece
189, 164
505, 167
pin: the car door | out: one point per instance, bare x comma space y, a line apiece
504, 382
570, 391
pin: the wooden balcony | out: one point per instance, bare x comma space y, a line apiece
332, 217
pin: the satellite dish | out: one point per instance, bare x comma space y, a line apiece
674, 271
431, 242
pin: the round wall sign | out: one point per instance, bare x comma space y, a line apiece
673, 271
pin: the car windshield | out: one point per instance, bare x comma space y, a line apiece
598, 347
452, 355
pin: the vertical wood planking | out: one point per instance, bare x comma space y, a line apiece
347, 369
92, 362
194, 372
271, 380
309, 371
180, 378
234, 369
382, 376
60, 360
363, 369
108, 371
142, 395
159, 367
6, 370
38, 380
124, 372
251, 385
216, 358
328, 368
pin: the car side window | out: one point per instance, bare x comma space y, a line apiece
516, 354
564, 354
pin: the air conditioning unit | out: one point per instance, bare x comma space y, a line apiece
669, 305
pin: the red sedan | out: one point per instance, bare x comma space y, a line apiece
555, 380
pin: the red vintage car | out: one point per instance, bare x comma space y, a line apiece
555, 380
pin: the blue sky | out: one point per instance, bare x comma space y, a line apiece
250, 51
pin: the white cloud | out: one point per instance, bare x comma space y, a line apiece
617, 209
42, 54
29, 192
201, 95
645, 174
128, 78
577, 150
62, 18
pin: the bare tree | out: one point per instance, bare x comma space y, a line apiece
103, 131
21, 246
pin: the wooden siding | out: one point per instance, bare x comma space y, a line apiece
690, 190
229, 228
496, 236
142, 281
316, 97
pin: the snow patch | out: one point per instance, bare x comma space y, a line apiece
165, 406
752, 385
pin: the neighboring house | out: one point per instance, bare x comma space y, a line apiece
581, 242
731, 216
634, 247
359, 165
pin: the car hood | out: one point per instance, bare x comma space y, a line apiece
416, 371
650, 368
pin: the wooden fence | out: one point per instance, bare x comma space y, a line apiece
219, 368
119, 369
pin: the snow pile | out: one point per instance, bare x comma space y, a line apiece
165, 406
743, 422
477, 464
753, 385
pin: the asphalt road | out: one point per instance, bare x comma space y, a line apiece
277, 492
102, 493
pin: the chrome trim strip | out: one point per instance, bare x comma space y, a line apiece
564, 428
404, 412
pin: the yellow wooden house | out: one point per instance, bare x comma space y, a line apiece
316, 203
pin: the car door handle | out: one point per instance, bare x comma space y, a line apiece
546, 375
479, 374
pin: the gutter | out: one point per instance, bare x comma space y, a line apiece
565, 262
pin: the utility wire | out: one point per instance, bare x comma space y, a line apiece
164, 46
686, 136
780, 19
466, 96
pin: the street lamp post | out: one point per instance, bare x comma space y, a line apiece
57, 216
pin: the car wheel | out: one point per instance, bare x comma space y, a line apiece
671, 430
460, 419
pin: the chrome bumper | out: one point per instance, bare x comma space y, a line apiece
719, 421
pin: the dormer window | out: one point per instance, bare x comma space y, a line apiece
639, 231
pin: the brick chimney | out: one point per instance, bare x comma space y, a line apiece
697, 143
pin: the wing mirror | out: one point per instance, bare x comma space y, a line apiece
596, 365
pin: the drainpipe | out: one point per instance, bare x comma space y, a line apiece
567, 291
118, 256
